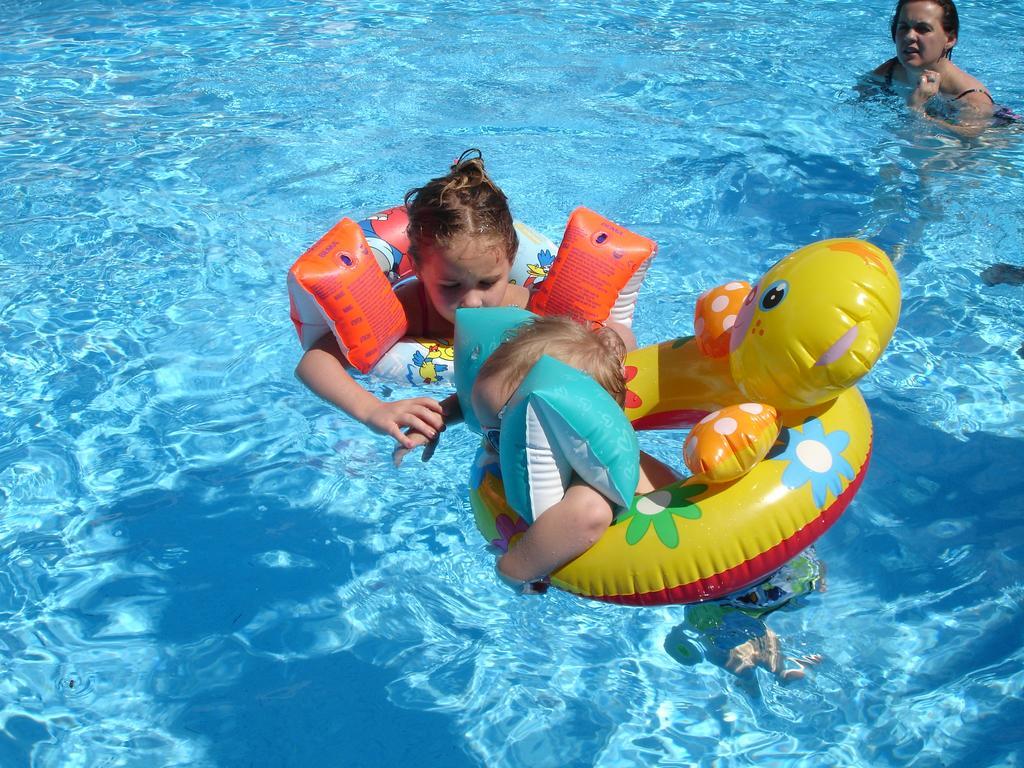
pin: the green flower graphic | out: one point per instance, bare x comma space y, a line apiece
658, 508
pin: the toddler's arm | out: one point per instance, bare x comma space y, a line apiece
571, 527
654, 474
323, 369
562, 533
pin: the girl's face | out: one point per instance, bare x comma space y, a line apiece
468, 272
920, 39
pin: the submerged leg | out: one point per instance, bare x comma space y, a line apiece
802, 662
766, 651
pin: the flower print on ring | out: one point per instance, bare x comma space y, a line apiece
658, 510
816, 457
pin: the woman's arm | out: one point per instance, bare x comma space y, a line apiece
974, 110
971, 100
975, 106
928, 85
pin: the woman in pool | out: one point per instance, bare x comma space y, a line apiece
925, 33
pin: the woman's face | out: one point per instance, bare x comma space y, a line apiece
920, 39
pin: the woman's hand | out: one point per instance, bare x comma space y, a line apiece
928, 85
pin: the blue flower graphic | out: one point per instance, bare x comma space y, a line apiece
816, 458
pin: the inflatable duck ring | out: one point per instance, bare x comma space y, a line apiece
780, 442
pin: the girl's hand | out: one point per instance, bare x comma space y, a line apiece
421, 415
927, 86
451, 413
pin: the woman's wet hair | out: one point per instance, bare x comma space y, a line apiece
465, 202
950, 19
599, 353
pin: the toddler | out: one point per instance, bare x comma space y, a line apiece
574, 524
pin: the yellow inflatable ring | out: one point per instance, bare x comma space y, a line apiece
803, 336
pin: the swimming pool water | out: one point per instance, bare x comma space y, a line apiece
203, 565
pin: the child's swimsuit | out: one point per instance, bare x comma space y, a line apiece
734, 619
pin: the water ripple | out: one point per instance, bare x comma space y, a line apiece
195, 549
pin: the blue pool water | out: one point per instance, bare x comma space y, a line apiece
203, 565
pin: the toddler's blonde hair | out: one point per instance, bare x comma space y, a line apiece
599, 353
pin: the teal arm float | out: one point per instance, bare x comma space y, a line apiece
561, 422
478, 332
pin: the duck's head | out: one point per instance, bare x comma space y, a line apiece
815, 323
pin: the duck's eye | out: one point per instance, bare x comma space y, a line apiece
773, 295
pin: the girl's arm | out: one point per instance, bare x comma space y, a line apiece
323, 369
